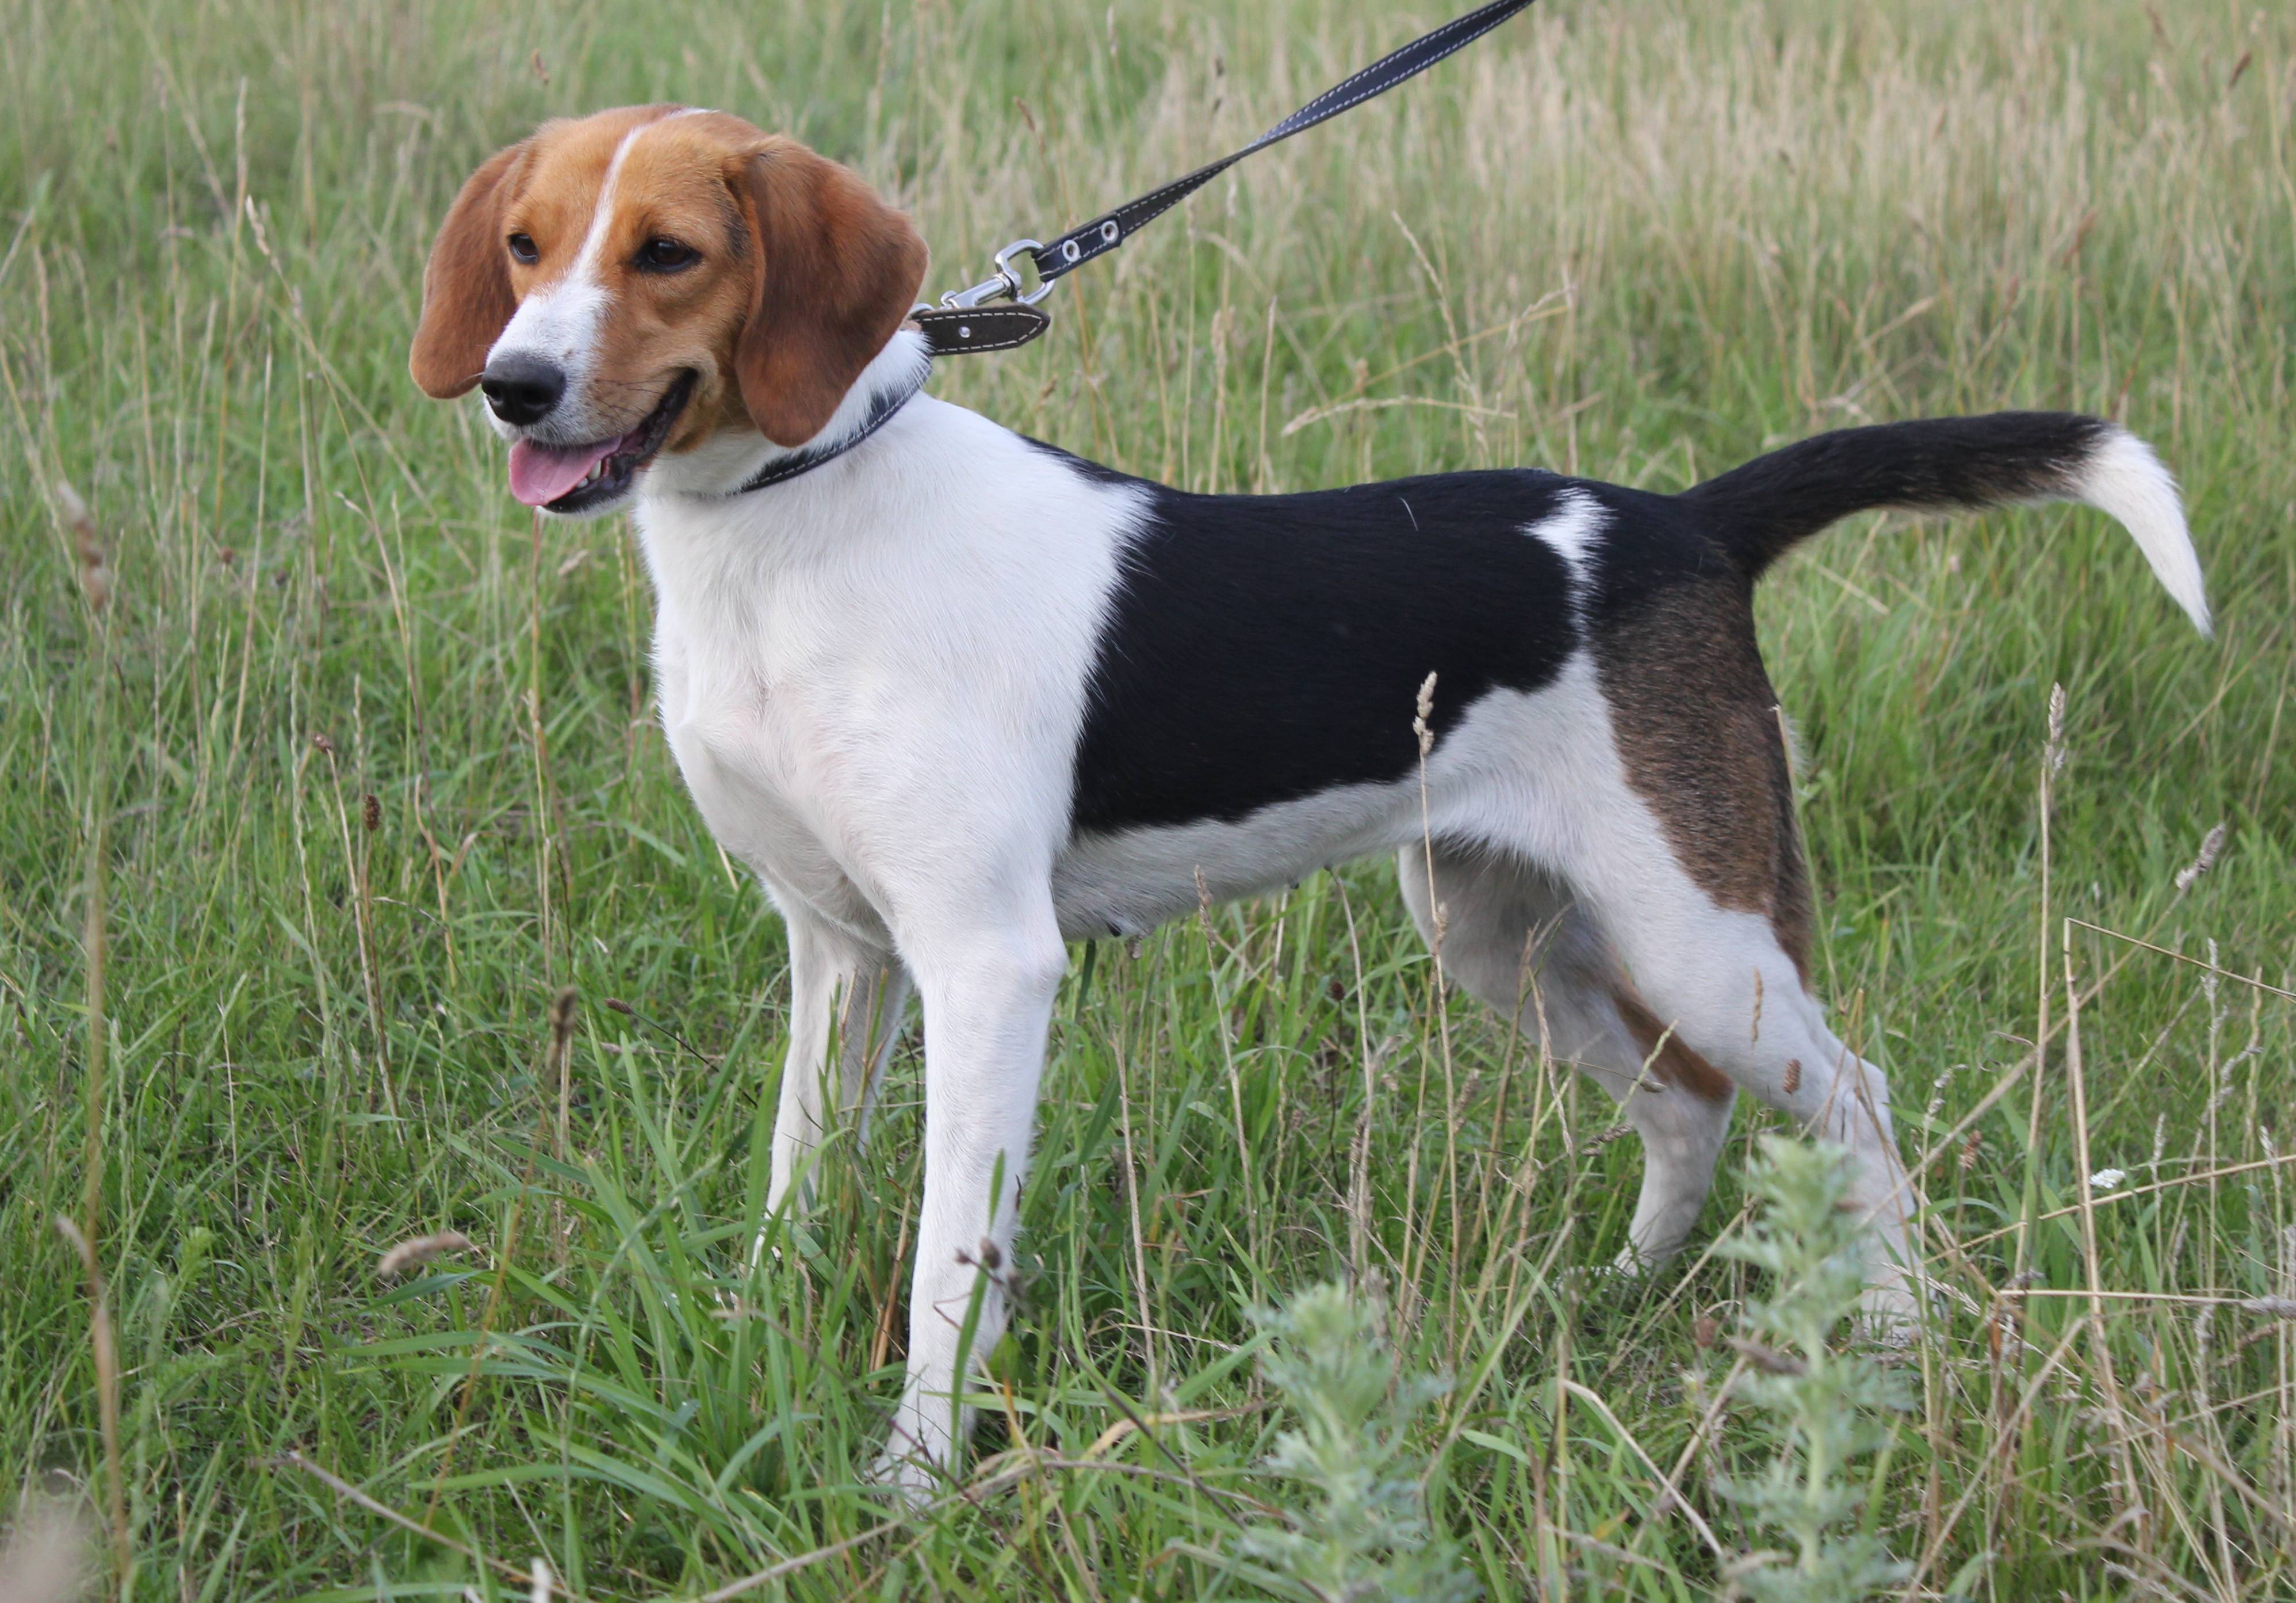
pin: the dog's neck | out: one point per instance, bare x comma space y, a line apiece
730, 459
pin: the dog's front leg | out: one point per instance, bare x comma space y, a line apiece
987, 1003
843, 989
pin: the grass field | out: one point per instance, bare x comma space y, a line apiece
357, 768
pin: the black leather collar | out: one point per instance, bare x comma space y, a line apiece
782, 469
947, 331
952, 330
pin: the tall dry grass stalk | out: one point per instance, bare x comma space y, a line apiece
106, 1357
86, 1236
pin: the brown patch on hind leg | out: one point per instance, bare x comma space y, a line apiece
1671, 1064
1701, 737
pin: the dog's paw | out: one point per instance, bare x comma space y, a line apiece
907, 1480
1890, 1315
1632, 1264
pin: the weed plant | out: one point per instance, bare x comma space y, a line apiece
1829, 1407
1358, 1531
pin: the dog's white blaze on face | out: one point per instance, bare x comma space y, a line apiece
562, 320
559, 323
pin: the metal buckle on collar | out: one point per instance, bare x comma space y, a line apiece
1005, 286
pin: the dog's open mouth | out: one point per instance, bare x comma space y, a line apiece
575, 477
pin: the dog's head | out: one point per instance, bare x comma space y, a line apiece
639, 281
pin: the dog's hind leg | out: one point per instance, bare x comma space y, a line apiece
1680, 837
1721, 980
1512, 937
844, 995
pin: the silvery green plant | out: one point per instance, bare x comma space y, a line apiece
1357, 1531
1830, 1406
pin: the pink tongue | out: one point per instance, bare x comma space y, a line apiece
540, 473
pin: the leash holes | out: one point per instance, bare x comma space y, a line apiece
1070, 251
1108, 232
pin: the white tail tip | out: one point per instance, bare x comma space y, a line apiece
2124, 479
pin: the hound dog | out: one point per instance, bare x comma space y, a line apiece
959, 697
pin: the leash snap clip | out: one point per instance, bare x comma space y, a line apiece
1004, 259
1007, 284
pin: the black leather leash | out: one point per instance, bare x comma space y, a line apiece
967, 320
999, 313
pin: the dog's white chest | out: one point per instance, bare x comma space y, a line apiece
753, 749
869, 678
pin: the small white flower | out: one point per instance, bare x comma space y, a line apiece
2105, 1180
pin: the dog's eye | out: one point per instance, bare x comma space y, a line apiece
666, 255
522, 248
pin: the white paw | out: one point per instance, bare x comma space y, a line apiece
1633, 1264
908, 1479
1888, 1313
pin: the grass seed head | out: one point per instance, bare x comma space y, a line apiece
2207, 859
421, 1249
562, 1019
95, 569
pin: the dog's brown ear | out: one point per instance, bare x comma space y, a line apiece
837, 271
466, 294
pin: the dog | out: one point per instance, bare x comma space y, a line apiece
959, 697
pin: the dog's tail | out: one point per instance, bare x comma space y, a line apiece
1759, 510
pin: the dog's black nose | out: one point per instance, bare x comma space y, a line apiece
522, 389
